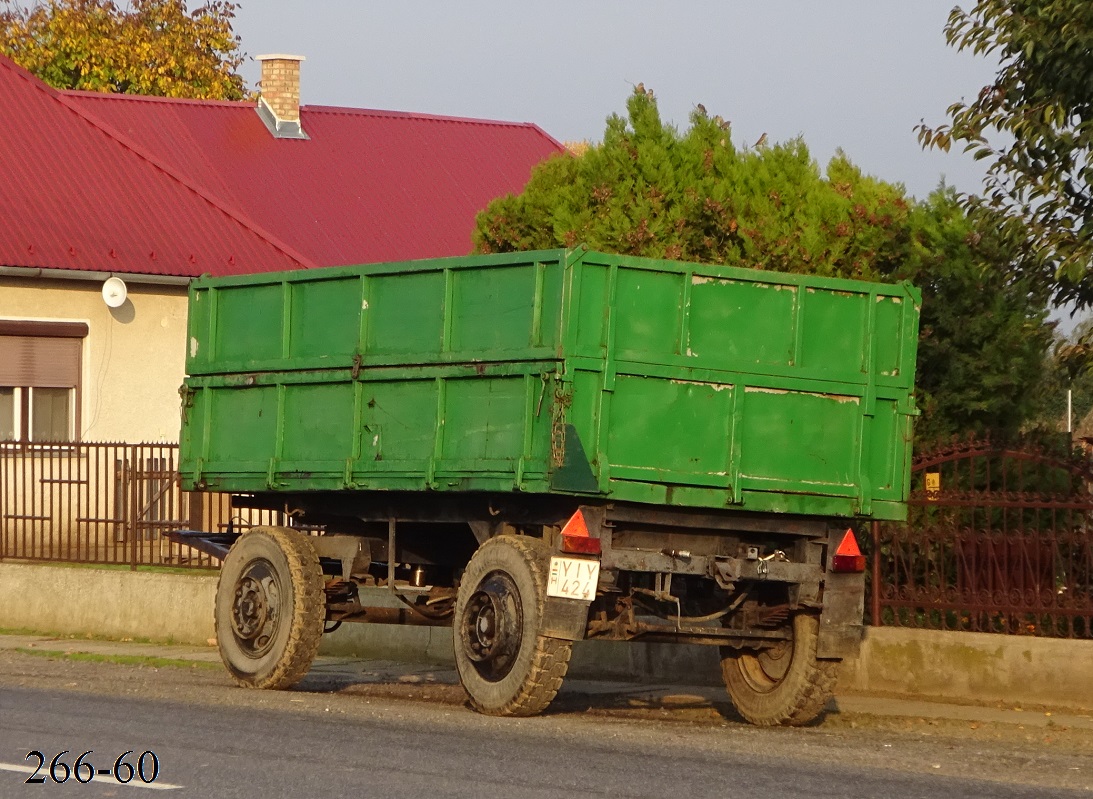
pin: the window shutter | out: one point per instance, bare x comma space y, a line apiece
40, 362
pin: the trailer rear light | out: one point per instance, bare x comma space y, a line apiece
575, 537
848, 557
580, 546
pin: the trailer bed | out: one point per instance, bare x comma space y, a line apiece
570, 372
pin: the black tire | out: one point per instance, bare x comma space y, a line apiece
270, 608
785, 685
504, 664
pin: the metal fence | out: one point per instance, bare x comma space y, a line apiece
106, 503
998, 540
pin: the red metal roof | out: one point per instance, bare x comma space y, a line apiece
207, 188
73, 195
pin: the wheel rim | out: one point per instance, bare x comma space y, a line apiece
255, 612
765, 670
491, 627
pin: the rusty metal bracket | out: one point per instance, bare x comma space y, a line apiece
186, 396
353, 552
732, 570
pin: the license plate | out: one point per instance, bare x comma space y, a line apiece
573, 578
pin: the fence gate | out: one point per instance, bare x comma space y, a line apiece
149, 504
998, 539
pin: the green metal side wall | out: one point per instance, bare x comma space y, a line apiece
565, 371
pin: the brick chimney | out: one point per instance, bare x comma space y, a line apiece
279, 98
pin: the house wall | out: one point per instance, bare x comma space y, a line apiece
133, 357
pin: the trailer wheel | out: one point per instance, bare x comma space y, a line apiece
504, 664
270, 607
784, 685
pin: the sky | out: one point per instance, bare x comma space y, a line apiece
851, 74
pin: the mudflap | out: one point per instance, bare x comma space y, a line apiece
841, 627
564, 618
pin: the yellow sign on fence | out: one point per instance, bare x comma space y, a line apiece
933, 485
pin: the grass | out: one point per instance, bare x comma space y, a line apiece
60, 564
27, 631
122, 660
88, 636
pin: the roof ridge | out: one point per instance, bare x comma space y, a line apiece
23, 74
374, 112
148, 98
232, 212
314, 108
380, 112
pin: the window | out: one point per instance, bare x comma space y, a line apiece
40, 380
7, 414
45, 413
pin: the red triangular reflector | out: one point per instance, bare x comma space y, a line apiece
849, 545
848, 557
576, 526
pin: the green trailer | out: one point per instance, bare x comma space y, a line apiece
542, 447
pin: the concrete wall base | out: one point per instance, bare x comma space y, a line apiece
973, 666
178, 608
113, 603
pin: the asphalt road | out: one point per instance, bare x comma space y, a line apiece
335, 738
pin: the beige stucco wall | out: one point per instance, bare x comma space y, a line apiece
133, 356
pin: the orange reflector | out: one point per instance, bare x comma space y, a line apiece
575, 537
576, 525
581, 545
848, 557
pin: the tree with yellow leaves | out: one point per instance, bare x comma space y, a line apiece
155, 47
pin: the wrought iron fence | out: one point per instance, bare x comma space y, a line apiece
998, 539
106, 503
